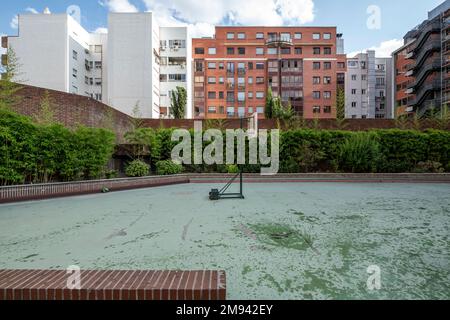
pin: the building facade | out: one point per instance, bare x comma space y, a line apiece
121, 68
421, 65
233, 71
368, 87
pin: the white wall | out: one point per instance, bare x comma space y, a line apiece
42, 49
130, 62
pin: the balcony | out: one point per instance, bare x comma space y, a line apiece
279, 41
5, 42
230, 72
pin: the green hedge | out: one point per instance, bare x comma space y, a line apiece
36, 153
310, 150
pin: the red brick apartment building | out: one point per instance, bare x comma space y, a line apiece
233, 71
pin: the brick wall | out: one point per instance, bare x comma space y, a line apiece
71, 110
113, 285
52, 190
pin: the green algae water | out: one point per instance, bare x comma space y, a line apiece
284, 241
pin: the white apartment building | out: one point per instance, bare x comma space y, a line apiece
368, 87
122, 68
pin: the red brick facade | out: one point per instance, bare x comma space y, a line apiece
233, 70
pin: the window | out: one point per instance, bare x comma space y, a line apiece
221, 95
221, 65
327, 50
75, 55
241, 96
241, 35
211, 65
352, 64
230, 35
74, 89
380, 67
316, 50
354, 77
211, 95
198, 66
353, 91
297, 35
327, 65
75, 73
212, 80
221, 109
177, 44
285, 50
260, 66
250, 80
98, 49
221, 80
250, 95
199, 50
327, 109
259, 35
250, 66
354, 104
363, 65
327, 95
260, 95
259, 80
272, 51
326, 80
86, 80
363, 91
230, 111
298, 50
250, 110
363, 77
98, 64
230, 67
316, 109
241, 82
259, 51
327, 36
316, 36
230, 96
212, 50
211, 109
241, 50
98, 81
260, 110
316, 94
230, 50
381, 94
177, 77
341, 65
316, 65
380, 81
316, 80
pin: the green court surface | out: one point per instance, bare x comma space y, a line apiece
284, 241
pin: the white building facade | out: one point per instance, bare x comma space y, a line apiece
122, 68
368, 87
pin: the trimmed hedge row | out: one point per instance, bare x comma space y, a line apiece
31, 153
309, 150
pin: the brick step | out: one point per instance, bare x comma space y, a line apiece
113, 285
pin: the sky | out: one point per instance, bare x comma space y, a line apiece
365, 24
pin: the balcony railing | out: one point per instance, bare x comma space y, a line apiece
279, 40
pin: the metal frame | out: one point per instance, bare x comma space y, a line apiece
216, 194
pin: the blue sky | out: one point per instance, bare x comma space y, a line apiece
397, 16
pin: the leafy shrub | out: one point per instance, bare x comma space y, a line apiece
137, 168
429, 167
111, 174
359, 153
168, 167
232, 168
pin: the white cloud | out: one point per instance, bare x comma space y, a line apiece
14, 24
101, 30
118, 5
202, 16
384, 50
31, 10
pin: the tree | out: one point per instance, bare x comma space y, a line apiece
46, 115
340, 108
9, 81
269, 104
178, 103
